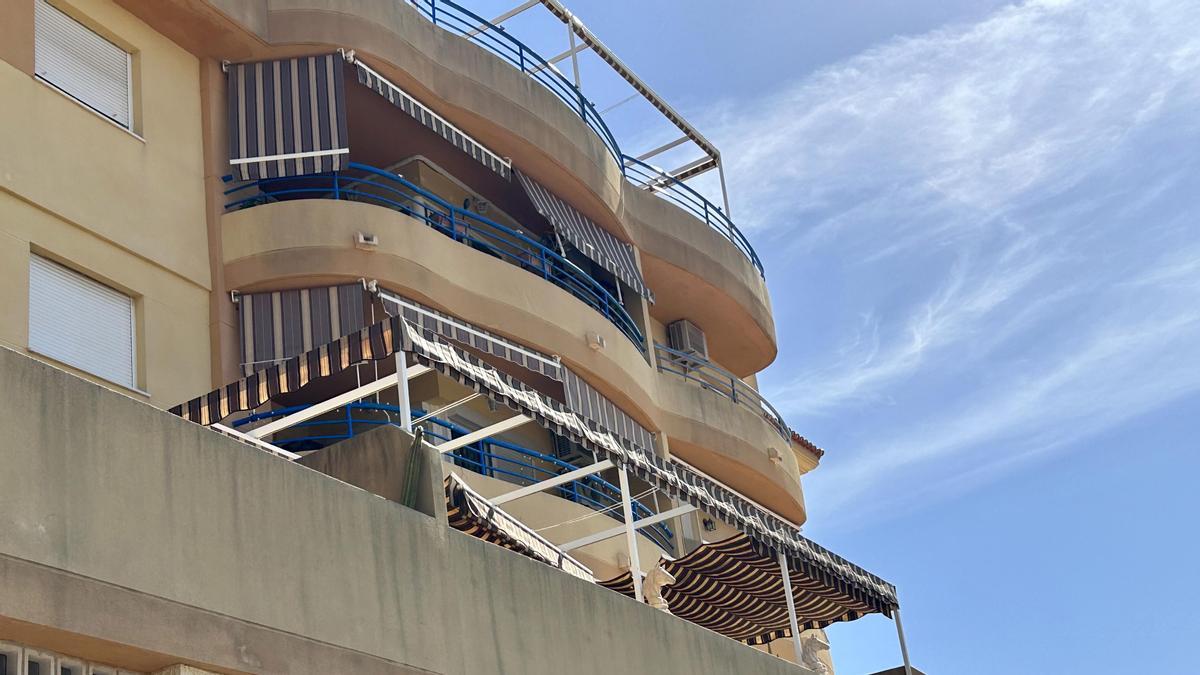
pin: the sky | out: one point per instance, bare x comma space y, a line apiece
979, 227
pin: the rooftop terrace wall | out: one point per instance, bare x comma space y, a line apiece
129, 532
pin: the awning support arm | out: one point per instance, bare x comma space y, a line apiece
552, 482
635, 565
502, 18
791, 605
447, 407
615, 531
903, 644
497, 428
334, 403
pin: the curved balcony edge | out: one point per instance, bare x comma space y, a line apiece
731, 443
499, 105
303, 243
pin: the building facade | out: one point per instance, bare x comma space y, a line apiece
204, 192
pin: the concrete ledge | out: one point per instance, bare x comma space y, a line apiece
122, 523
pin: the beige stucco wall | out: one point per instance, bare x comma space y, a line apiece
701, 273
304, 242
222, 556
128, 211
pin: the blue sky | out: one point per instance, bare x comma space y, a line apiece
979, 224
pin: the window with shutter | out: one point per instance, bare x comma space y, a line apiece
81, 322
80, 63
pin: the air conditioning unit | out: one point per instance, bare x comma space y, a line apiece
688, 338
567, 451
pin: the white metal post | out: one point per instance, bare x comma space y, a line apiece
791, 605
402, 390
724, 190
903, 644
574, 56
635, 565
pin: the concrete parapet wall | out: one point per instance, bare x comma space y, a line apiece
129, 531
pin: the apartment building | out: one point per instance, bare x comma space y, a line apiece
348, 337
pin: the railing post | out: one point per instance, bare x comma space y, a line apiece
733, 388
433, 11
337, 188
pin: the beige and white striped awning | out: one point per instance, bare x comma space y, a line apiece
470, 512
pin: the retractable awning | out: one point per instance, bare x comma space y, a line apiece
460, 331
733, 588
473, 514
277, 325
592, 240
287, 117
768, 531
368, 77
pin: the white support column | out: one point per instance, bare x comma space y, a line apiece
791, 605
402, 390
635, 565
574, 56
903, 644
552, 482
724, 190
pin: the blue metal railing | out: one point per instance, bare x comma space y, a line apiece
716, 379
490, 457
469, 25
681, 194
371, 185
465, 23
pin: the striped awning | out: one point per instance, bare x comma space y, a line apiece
592, 240
277, 325
733, 588
287, 117
470, 512
677, 480
368, 77
584, 399
453, 328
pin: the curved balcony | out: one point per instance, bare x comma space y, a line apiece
474, 28
711, 377
466, 24
489, 457
362, 183
670, 188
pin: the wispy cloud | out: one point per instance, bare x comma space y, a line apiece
996, 228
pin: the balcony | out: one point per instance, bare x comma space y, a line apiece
460, 21
367, 184
711, 377
491, 456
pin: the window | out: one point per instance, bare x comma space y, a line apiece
80, 63
81, 322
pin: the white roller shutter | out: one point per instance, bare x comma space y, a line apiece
81, 322
76, 60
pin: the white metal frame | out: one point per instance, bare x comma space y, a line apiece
337, 402
553, 482
616, 531
260, 444
635, 565
478, 435
290, 155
